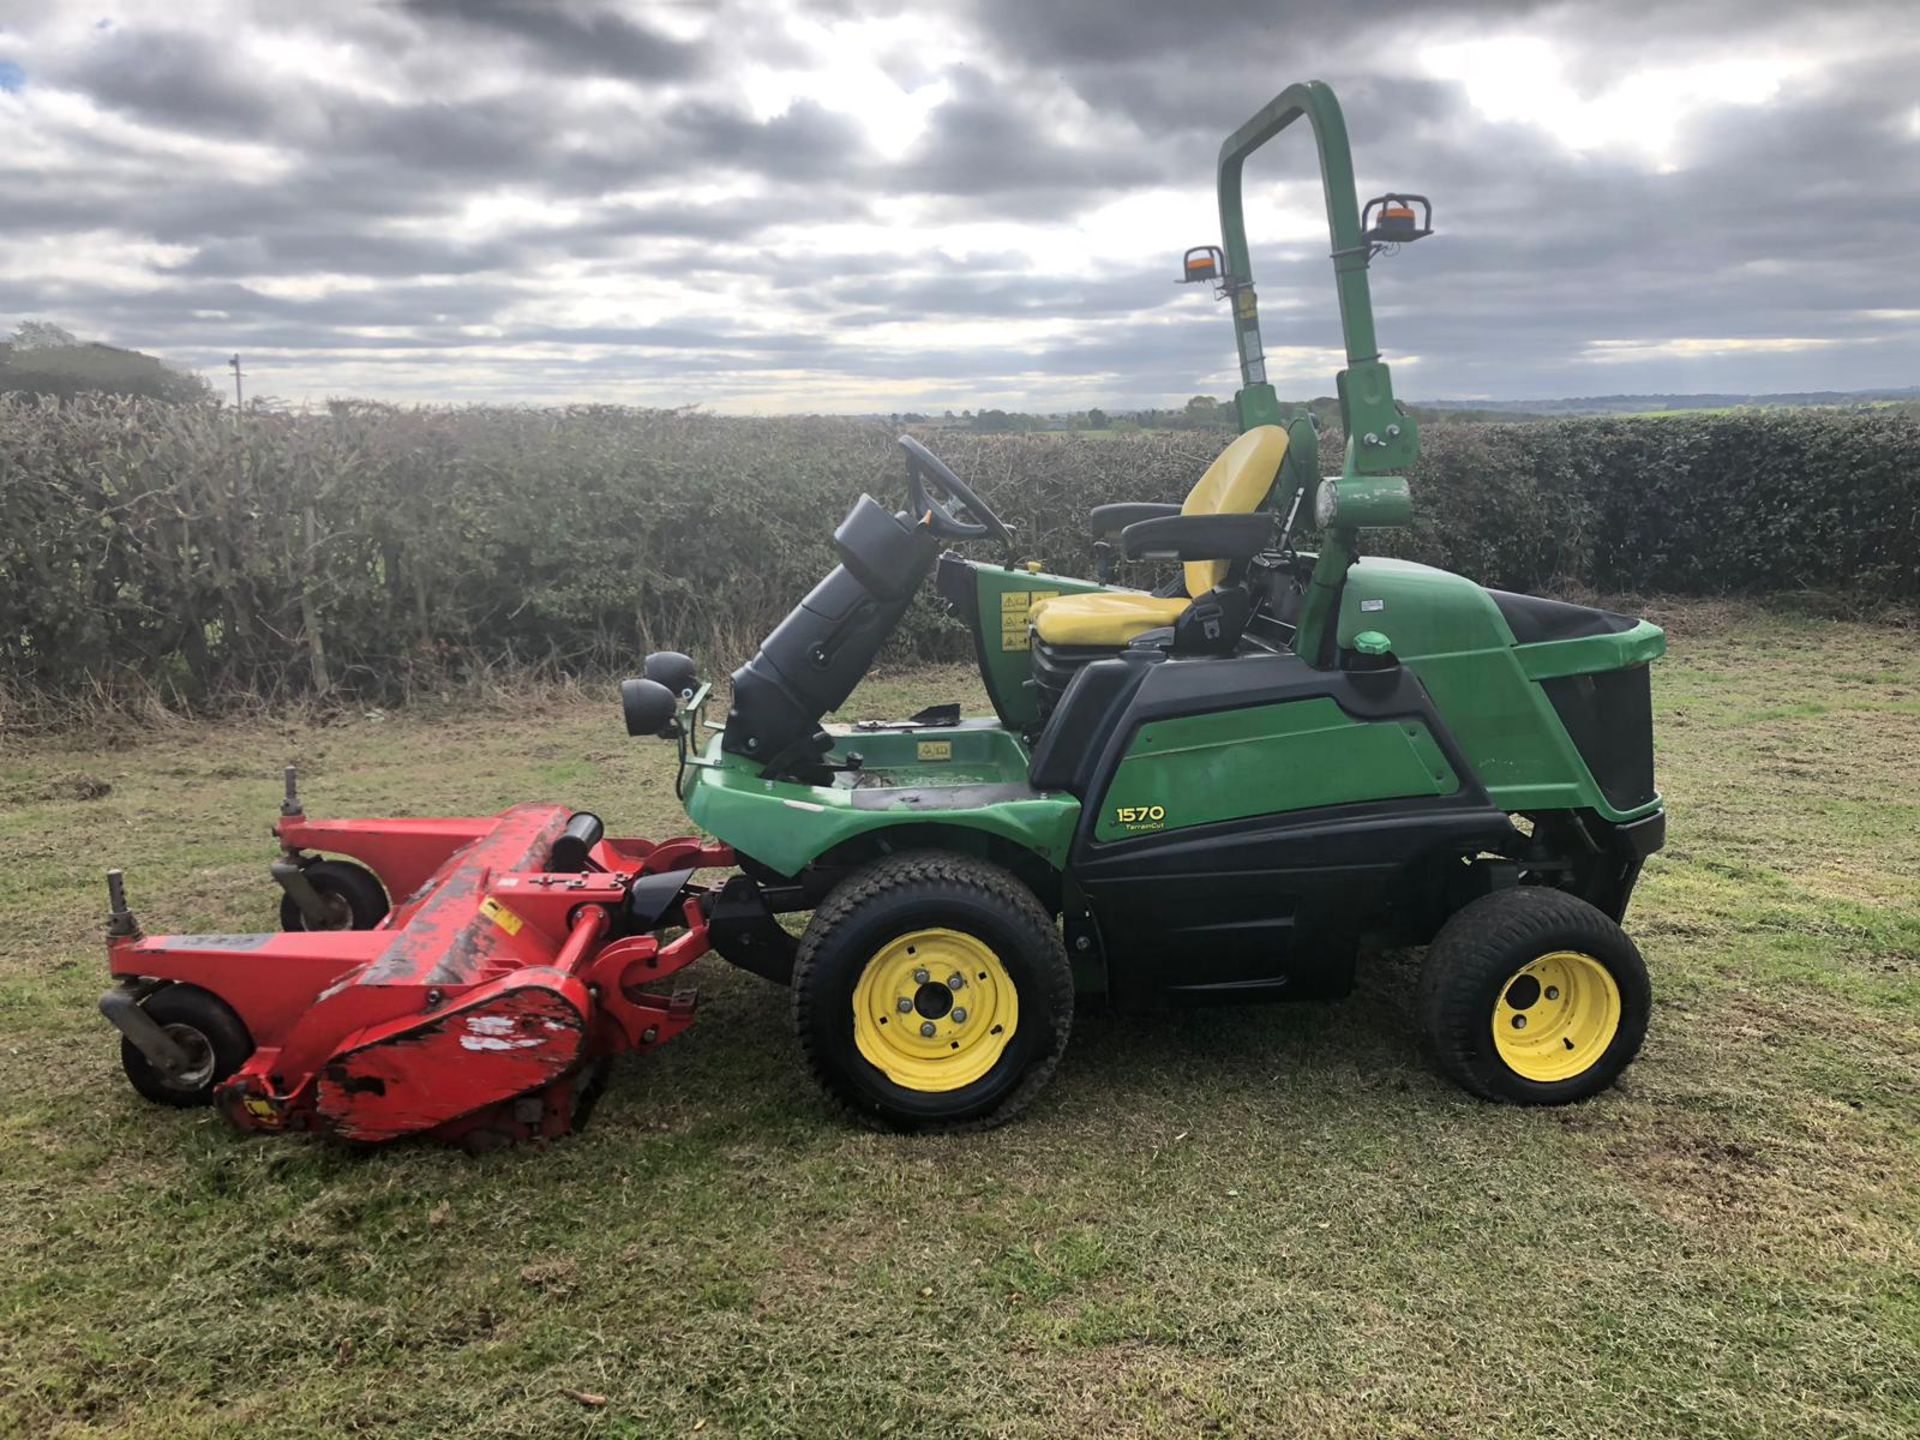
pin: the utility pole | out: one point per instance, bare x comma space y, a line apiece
237, 401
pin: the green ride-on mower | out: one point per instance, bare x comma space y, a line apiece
1215, 791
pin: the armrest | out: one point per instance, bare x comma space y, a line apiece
1109, 519
1199, 537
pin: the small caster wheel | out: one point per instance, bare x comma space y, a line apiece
202, 1024
355, 900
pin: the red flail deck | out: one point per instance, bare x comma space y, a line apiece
480, 1008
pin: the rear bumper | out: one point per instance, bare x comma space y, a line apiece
1640, 838
1625, 848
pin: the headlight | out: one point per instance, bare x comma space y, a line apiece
1326, 504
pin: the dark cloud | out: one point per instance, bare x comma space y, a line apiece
938, 287
804, 142
174, 78
568, 37
989, 142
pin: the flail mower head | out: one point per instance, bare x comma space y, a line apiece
481, 1009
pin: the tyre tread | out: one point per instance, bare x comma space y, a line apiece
937, 869
212, 1017
1483, 937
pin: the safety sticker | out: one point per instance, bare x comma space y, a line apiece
1014, 605
936, 749
501, 915
263, 1110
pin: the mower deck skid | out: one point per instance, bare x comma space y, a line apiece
479, 1009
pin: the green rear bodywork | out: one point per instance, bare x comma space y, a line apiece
1450, 633
1197, 770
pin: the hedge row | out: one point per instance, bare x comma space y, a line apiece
372, 550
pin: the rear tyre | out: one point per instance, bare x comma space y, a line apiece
1531, 996
205, 1027
355, 899
932, 992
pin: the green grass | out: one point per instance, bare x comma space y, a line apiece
1257, 1222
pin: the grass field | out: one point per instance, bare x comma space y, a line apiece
1263, 1222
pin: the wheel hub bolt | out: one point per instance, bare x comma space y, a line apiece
919, 977
927, 1028
1519, 1022
1553, 992
956, 981
959, 1015
906, 1005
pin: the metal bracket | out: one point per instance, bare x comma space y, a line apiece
743, 931
291, 876
121, 1005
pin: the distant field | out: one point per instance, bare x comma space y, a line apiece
1261, 1222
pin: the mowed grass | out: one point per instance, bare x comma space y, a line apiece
1270, 1221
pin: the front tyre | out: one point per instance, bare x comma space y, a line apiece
932, 992
1533, 997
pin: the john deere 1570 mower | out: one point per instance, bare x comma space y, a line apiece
1219, 790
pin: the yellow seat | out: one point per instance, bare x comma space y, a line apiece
1111, 617
1235, 484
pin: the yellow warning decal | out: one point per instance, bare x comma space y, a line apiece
1014, 605
501, 916
936, 749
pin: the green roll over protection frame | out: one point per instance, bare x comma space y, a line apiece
1381, 441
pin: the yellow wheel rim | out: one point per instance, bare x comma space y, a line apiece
1556, 1016
934, 1010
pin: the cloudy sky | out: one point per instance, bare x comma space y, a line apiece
862, 205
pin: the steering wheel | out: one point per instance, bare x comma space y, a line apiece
923, 465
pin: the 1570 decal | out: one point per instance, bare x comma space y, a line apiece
1141, 817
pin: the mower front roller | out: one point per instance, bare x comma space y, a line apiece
480, 1007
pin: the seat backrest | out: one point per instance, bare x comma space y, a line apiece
1235, 484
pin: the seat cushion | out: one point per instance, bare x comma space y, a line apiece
1107, 617
1235, 484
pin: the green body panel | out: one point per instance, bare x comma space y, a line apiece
1449, 632
1266, 760
1006, 663
785, 825
1590, 654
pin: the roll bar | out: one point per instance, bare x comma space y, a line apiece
1380, 440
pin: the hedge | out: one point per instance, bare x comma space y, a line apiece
370, 550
